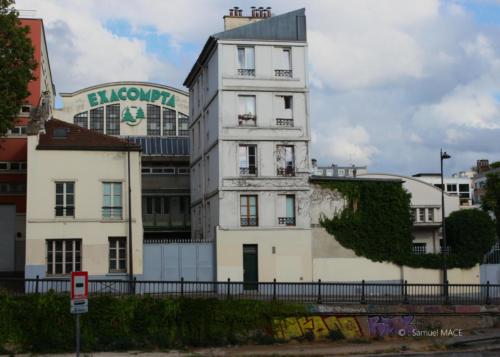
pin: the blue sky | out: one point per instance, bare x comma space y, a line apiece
391, 81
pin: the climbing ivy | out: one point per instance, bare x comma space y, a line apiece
376, 223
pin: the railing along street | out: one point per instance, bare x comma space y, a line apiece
310, 292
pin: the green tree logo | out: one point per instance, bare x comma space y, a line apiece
132, 115
140, 114
127, 116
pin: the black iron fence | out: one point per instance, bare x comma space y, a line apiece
313, 292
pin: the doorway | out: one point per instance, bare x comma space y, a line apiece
250, 267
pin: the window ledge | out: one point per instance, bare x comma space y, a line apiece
117, 274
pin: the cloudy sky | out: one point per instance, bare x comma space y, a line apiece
392, 81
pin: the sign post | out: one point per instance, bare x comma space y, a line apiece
79, 300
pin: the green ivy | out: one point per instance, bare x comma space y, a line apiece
376, 224
43, 323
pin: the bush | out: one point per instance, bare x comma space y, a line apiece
43, 323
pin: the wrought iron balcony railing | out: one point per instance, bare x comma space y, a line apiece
250, 72
251, 170
284, 73
288, 221
247, 120
249, 221
284, 122
286, 171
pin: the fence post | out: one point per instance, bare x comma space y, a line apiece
405, 292
363, 301
228, 288
36, 284
274, 289
182, 286
319, 291
446, 293
134, 285
487, 293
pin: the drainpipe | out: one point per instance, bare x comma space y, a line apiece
131, 260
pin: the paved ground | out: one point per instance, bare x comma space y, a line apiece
482, 343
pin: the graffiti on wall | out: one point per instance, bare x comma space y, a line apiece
293, 327
391, 326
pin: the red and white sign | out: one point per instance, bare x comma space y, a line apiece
79, 285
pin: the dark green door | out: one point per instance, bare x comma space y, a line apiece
250, 264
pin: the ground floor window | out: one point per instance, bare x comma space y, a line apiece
117, 254
419, 248
63, 256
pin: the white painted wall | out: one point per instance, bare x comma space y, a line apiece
88, 169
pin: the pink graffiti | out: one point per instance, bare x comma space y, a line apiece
387, 326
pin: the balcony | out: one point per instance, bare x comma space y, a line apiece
288, 221
286, 171
283, 73
248, 221
112, 212
284, 122
247, 120
159, 221
248, 171
247, 72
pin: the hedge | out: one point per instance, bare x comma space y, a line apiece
43, 323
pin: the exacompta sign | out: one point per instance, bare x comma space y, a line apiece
130, 93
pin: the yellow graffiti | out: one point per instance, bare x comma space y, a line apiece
320, 326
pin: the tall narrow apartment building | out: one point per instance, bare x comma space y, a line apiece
250, 135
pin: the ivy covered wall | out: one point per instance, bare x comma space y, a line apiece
376, 224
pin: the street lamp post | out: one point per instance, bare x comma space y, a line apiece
444, 248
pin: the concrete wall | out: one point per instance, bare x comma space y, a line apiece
284, 255
88, 169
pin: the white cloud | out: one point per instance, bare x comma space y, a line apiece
345, 144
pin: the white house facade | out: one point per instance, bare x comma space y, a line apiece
250, 149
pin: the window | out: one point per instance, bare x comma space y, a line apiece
113, 119
63, 256
451, 188
97, 119
183, 125
464, 188
341, 172
81, 119
285, 115
117, 254
25, 109
17, 130
438, 185
157, 205
169, 125
430, 214
289, 219
285, 160
248, 210
284, 63
153, 119
65, 199
421, 214
247, 155
246, 61
413, 214
246, 115
112, 199
419, 248
183, 171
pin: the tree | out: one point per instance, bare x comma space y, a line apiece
140, 114
127, 116
495, 165
470, 233
16, 64
490, 201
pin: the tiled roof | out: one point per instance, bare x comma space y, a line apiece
60, 135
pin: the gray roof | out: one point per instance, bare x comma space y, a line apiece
290, 26
314, 178
162, 146
286, 27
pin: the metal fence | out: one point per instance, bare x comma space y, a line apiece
313, 292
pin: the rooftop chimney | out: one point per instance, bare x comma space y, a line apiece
236, 19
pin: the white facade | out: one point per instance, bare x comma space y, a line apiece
49, 223
246, 187
460, 186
